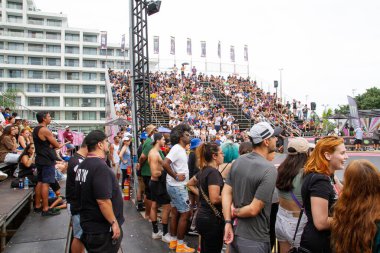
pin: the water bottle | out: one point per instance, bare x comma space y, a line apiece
21, 184
26, 183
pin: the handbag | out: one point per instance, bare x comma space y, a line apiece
214, 209
300, 249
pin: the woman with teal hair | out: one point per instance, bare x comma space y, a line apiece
231, 152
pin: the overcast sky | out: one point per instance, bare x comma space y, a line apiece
327, 48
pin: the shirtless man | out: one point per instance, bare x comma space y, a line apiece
157, 185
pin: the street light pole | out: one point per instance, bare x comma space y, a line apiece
281, 69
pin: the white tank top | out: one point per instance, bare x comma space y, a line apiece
116, 157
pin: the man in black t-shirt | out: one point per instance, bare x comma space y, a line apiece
78, 157
100, 199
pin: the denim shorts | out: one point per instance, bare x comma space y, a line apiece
286, 225
179, 198
46, 174
77, 229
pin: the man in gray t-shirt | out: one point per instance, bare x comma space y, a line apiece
249, 186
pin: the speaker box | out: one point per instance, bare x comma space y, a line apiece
313, 106
275, 84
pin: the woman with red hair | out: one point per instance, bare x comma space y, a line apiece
320, 191
356, 220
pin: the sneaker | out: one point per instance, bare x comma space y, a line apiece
157, 235
173, 244
37, 209
166, 238
3, 176
50, 212
193, 232
183, 248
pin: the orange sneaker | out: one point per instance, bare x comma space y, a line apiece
183, 248
173, 244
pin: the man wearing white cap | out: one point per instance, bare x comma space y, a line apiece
249, 187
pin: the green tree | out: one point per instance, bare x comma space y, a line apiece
327, 125
369, 99
8, 98
343, 109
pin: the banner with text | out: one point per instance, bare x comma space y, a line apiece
232, 53
245, 52
156, 45
103, 40
188, 46
172, 45
203, 48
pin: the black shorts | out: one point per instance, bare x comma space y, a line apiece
98, 243
357, 141
376, 142
159, 193
46, 174
148, 193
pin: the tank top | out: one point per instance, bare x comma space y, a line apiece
45, 155
116, 157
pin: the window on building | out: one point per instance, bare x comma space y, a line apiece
35, 87
53, 61
35, 74
102, 115
106, 52
90, 38
53, 48
14, 19
51, 101
89, 64
15, 46
1, 84
72, 102
102, 77
36, 61
70, 88
1, 72
35, 21
89, 89
15, 59
55, 115
36, 47
102, 102
15, 86
53, 36
72, 50
14, 5
54, 22
16, 33
1, 44
72, 76
89, 76
71, 37
35, 101
89, 115
88, 102
53, 75
119, 52
52, 88
90, 51
71, 115
36, 34
15, 73
1, 58
109, 64
102, 89
72, 62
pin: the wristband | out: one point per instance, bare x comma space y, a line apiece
176, 178
228, 221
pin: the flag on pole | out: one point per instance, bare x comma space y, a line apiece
354, 113
122, 46
103, 40
232, 53
156, 45
189, 46
172, 45
245, 52
203, 48
219, 50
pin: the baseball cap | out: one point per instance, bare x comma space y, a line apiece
300, 145
67, 127
94, 137
126, 138
262, 131
150, 128
143, 136
195, 142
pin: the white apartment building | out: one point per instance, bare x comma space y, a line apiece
57, 68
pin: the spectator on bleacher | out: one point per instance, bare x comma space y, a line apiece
24, 139
6, 112
78, 157
125, 159
45, 144
26, 162
8, 145
100, 198
68, 138
245, 148
25, 125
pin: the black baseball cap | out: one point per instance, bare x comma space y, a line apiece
95, 137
